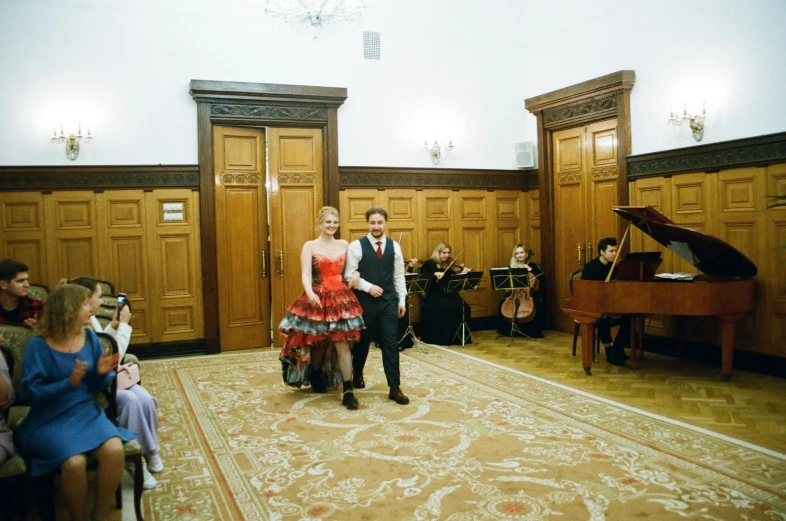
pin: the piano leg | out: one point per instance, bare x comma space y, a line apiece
728, 332
587, 345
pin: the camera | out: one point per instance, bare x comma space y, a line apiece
121, 301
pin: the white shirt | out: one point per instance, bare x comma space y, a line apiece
355, 253
122, 336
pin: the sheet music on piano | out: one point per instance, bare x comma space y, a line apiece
676, 276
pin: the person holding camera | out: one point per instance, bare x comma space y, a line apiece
137, 409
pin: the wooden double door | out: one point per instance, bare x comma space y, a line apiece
269, 188
586, 177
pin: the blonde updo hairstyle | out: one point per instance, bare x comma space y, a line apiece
513, 262
59, 319
323, 214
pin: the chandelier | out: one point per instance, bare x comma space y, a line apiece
315, 13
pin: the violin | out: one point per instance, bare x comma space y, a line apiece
519, 306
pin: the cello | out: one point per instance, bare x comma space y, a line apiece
519, 306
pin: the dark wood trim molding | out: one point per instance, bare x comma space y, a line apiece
736, 153
37, 178
419, 178
587, 102
255, 105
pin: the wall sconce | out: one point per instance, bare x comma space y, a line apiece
435, 149
72, 141
694, 121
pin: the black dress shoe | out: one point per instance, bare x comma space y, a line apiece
397, 396
358, 382
318, 383
349, 401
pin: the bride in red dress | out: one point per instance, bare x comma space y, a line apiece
325, 320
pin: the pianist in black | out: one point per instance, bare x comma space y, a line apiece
597, 269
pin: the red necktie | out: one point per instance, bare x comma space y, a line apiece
379, 249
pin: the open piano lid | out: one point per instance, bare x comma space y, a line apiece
709, 254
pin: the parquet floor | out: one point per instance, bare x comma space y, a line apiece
750, 407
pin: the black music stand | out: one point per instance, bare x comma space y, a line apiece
459, 283
508, 279
416, 285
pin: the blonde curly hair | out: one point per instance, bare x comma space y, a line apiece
60, 317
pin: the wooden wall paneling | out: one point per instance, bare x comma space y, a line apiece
533, 211
475, 208
774, 328
740, 223
121, 218
655, 192
402, 208
175, 283
436, 208
693, 199
295, 173
352, 207
509, 219
24, 232
72, 249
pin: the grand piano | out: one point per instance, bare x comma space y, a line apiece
725, 290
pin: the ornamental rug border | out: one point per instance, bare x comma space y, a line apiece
218, 469
719, 453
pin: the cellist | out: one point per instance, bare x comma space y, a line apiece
529, 326
441, 311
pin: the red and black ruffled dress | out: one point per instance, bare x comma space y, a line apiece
339, 319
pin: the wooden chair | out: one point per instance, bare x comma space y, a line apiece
38, 292
576, 326
131, 449
13, 472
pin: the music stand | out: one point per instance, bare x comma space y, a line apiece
508, 279
416, 285
459, 283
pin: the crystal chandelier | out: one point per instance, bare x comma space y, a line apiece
315, 13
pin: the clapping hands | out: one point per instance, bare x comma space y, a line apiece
107, 363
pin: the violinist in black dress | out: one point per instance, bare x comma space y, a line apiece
441, 312
533, 327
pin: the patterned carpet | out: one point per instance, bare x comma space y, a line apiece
477, 442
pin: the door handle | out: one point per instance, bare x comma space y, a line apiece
264, 264
279, 263
579, 248
589, 251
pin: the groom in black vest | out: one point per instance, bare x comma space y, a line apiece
375, 268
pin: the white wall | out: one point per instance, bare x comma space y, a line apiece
448, 67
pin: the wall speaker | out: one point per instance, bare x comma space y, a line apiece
526, 155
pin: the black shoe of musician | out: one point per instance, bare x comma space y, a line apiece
613, 356
348, 399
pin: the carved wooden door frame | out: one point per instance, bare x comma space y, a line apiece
587, 102
256, 105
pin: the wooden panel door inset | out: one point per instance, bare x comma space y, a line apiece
295, 178
242, 238
23, 234
71, 235
123, 236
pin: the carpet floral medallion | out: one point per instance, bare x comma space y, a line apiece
476, 442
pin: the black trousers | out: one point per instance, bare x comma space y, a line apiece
381, 318
623, 335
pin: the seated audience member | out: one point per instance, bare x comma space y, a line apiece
137, 409
64, 366
598, 269
15, 305
441, 311
7, 395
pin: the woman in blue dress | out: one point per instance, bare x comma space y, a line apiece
64, 366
